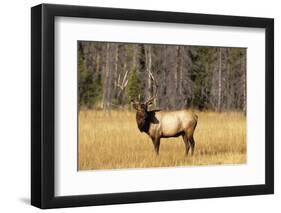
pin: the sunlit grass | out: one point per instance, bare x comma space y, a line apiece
114, 141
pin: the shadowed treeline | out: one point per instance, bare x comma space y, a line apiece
110, 75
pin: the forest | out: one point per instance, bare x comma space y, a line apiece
111, 75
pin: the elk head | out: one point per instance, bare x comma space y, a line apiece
142, 115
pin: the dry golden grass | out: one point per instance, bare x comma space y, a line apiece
110, 142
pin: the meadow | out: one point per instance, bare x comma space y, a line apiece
114, 142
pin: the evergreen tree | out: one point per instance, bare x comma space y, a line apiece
133, 89
89, 88
82, 76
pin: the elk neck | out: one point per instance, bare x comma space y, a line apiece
144, 119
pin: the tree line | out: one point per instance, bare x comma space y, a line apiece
110, 75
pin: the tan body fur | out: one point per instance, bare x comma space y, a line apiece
171, 123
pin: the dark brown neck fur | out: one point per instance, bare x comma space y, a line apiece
144, 119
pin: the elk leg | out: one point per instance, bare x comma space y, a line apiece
192, 144
156, 143
187, 145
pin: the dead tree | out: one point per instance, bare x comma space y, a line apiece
220, 81
121, 85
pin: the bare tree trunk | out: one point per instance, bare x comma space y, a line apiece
105, 86
116, 60
107, 80
148, 71
115, 75
122, 86
228, 81
228, 88
165, 78
135, 50
97, 63
110, 76
220, 80
244, 84
176, 73
180, 77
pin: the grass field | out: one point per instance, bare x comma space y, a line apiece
111, 142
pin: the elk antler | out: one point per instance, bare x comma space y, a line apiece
150, 100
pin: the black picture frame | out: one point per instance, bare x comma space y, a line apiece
43, 102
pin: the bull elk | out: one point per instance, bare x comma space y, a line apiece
164, 124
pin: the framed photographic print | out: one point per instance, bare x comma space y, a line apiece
139, 106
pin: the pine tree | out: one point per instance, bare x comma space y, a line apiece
82, 88
90, 89
133, 89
